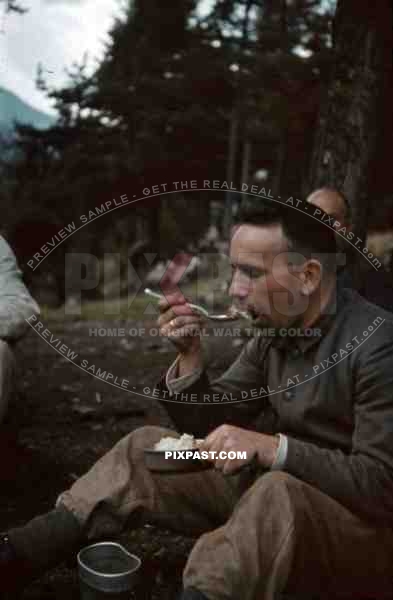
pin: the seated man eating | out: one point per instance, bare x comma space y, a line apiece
312, 513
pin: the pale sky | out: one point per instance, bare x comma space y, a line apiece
55, 33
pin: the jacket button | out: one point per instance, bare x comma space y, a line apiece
289, 394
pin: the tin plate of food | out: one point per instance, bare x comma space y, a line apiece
176, 455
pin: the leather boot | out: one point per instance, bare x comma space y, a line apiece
29, 551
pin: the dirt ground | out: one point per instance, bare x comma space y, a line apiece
64, 419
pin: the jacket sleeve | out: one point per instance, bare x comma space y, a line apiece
16, 303
202, 406
362, 480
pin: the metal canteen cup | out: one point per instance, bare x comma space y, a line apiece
107, 571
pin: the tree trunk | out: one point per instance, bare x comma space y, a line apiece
231, 167
356, 119
246, 161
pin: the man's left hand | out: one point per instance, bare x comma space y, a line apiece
228, 438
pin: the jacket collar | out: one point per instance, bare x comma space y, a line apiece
319, 327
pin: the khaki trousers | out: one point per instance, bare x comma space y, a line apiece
258, 538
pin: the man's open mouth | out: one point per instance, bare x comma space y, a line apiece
254, 314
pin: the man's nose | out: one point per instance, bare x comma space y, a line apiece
240, 287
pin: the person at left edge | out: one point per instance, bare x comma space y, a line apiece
16, 306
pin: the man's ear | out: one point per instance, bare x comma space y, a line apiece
311, 277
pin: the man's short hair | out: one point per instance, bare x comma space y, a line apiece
306, 235
347, 216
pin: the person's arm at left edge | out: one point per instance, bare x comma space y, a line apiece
16, 303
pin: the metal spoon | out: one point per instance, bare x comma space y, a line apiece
234, 315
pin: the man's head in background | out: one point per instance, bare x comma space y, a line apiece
336, 205
333, 203
283, 264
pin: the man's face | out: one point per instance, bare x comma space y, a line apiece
262, 281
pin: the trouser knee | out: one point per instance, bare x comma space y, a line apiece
281, 488
272, 503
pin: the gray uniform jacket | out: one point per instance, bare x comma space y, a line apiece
16, 303
332, 395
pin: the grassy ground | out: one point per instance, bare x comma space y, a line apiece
65, 419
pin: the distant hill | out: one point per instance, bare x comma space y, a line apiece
12, 108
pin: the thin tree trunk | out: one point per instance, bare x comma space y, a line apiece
231, 164
246, 159
238, 116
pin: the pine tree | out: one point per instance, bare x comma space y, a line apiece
161, 105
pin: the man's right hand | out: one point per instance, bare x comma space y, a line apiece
180, 324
